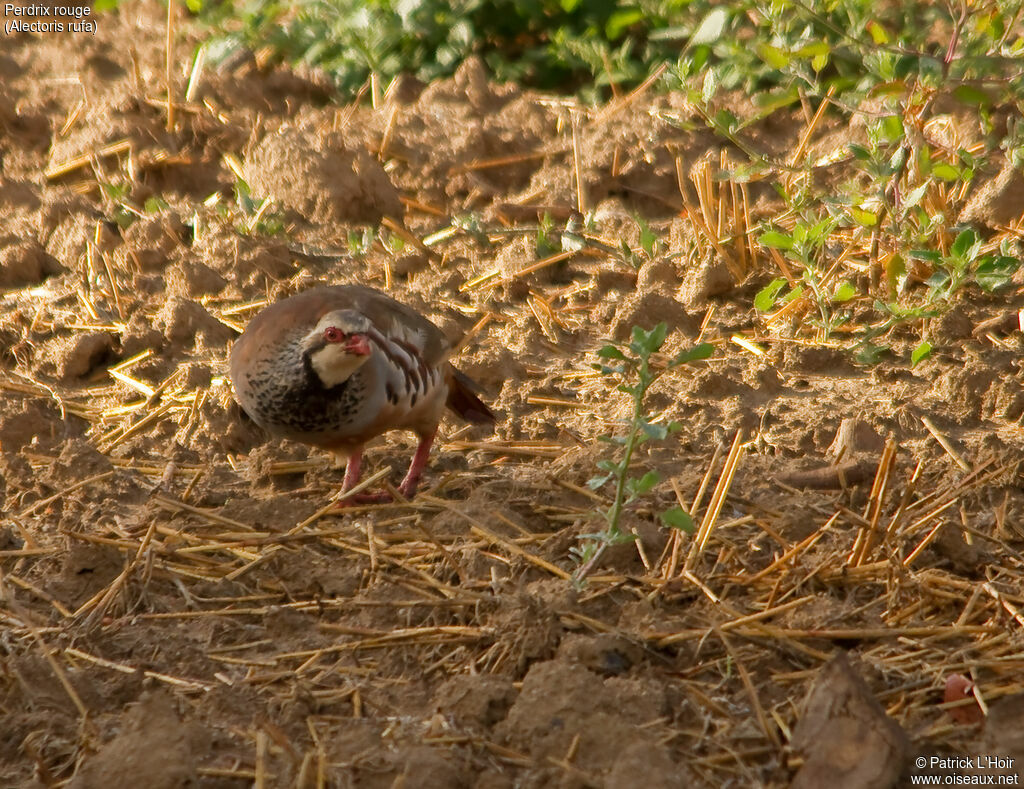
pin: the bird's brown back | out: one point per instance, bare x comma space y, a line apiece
300, 313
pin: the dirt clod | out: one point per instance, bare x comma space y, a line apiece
78, 355
24, 263
321, 177
999, 201
847, 739
152, 749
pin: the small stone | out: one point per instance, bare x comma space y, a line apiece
853, 436
997, 202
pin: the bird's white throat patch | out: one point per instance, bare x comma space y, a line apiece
333, 365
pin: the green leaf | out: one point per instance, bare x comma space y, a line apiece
648, 238
946, 172
773, 56
995, 272
596, 482
655, 432
844, 292
114, 192
657, 336
937, 282
638, 487
670, 33
871, 354
862, 217
678, 518
647, 342
768, 102
611, 352
859, 152
794, 294
628, 255
710, 86
726, 122
892, 129
620, 22
766, 297
814, 49
878, 33
154, 205
964, 244
123, 219
711, 27
913, 197
697, 352
972, 96
776, 240
895, 273
922, 351
928, 255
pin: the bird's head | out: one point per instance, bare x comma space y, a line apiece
338, 346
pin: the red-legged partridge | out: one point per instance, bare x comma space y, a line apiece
337, 366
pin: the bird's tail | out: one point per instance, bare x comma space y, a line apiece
463, 401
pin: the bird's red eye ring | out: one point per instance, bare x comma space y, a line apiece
333, 334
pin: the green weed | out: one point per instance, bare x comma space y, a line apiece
547, 43
631, 364
257, 215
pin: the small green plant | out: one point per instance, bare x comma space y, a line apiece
650, 244
867, 351
631, 363
123, 214
897, 69
257, 216
394, 244
547, 241
360, 243
548, 43
964, 263
807, 246
154, 205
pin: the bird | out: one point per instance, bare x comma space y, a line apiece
337, 365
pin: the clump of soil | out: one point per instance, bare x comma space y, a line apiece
320, 178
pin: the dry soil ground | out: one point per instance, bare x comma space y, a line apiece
178, 608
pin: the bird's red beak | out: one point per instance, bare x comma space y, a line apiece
357, 344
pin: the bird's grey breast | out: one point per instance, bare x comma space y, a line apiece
284, 396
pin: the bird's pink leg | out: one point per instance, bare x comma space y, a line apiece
419, 461
352, 469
